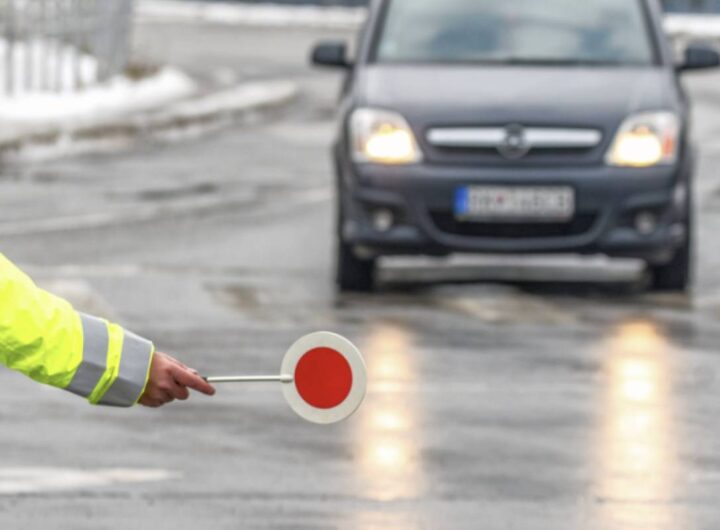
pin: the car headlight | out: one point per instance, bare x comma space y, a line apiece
645, 140
382, 137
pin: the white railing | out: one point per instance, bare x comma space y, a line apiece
62, 45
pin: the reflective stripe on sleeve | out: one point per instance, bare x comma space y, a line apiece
95, 347
126, 389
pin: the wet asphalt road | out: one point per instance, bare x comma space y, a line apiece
512, 401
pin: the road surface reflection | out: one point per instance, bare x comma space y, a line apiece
388, 433
637, 462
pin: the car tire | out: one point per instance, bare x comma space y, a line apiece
354, 274
677, 275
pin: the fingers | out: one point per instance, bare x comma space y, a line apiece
170, 380
183, 366
190, 379
169, 390
179, 392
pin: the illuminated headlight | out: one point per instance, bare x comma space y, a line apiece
382, 137
646, 140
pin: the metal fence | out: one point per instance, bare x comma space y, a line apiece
62, 45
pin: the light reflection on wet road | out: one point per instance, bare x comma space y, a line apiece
638, 469
388, 432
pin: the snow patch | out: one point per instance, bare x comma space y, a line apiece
71, 110
252, 15
172, 121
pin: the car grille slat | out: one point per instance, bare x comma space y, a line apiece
496, 137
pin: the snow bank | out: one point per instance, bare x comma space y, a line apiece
254, 15
66, 111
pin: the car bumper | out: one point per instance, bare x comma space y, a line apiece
608, 200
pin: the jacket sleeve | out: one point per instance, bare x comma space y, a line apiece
43, 337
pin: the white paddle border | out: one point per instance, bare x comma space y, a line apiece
325, 339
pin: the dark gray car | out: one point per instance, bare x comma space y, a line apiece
478, 126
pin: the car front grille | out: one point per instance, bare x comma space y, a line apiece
533, 145
446, 222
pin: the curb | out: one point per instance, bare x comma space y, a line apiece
215, 107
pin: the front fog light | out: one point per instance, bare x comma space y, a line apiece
383, 220
646, 223
382, 137
646, 140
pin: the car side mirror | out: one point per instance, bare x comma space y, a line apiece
332, 54
699, 57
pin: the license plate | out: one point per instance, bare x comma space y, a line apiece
513, 203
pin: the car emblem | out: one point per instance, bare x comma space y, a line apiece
515, 144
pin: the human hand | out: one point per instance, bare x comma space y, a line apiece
170, 380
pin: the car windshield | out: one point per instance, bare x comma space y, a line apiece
592, 32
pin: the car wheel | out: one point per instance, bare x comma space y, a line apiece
677, 275
354, 274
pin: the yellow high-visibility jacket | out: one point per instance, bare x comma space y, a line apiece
43, 337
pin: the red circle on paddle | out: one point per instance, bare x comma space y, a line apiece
323, 378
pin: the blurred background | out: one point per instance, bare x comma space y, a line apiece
167, 164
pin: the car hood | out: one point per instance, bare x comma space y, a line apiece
598, 97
